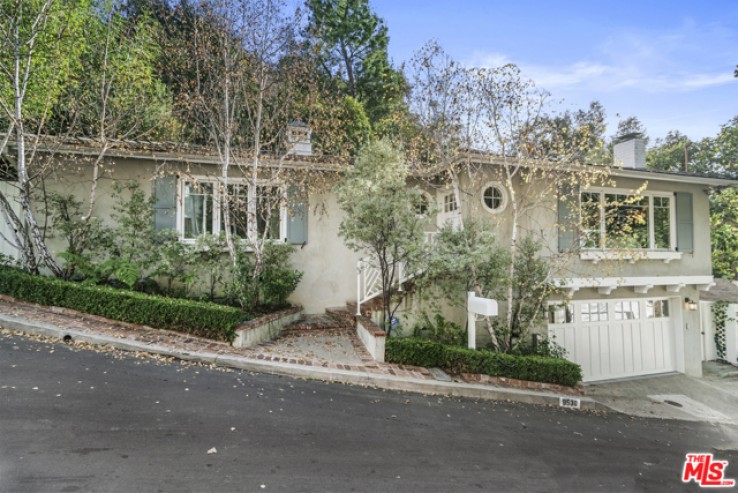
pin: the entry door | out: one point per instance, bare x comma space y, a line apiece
616, 338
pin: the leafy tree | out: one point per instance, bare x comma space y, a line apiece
381, 218
512, 114
38, 51
582, 131
629, 126
724, 233
463, 260
711, 155
71, 68
671, 153
352, 45
442, 126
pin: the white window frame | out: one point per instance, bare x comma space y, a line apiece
633, 254
450, 206
503, 197
216, 205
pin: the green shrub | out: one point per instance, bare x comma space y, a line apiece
440, 330
456, 360
192, 317
271, 285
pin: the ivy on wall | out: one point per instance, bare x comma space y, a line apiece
719, 318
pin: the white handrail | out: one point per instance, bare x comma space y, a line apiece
369, 276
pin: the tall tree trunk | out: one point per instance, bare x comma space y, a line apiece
23, 179
509, 298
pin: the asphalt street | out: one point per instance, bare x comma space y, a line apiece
76, 419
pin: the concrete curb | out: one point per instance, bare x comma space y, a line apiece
388, 382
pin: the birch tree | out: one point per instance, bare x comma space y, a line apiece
38, 48
537, 162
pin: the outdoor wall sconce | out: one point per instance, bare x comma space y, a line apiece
690, 305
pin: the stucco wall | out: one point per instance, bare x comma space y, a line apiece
541, 222
329, 266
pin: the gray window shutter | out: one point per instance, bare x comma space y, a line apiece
297, 217
568, 211
165, 203
684, 222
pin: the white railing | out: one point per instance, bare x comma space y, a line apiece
369, 276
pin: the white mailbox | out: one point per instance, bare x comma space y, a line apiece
477, 306
482, 306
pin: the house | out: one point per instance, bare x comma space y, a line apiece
622, 312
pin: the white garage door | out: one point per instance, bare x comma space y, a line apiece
615, 338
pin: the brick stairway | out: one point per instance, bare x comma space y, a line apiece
334, 320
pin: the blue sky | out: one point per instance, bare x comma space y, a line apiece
670, 63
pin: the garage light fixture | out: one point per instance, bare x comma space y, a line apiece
690, 305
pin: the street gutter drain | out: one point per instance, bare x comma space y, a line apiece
672, 403
67, 339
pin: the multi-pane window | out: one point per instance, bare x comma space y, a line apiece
627, 310
621, 220
626, 221
449, 203
662, 222
591, 221
657, 308
594, 312
197, 209
268, 201
561, 313
238, 199
201, 214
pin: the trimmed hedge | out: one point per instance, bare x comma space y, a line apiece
456, 360
202, 319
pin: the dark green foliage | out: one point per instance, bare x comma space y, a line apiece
720, 317
440, 330
456, 360
271, 287
86, 238
351, 41
196, 318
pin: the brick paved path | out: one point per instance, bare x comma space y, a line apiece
339, 349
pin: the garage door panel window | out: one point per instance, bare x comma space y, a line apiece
657, 308
561, 313
627, 310
594, 312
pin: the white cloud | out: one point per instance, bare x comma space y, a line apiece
679, 60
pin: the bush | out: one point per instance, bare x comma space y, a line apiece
192, 317
442, 330
456, 360
271, 285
